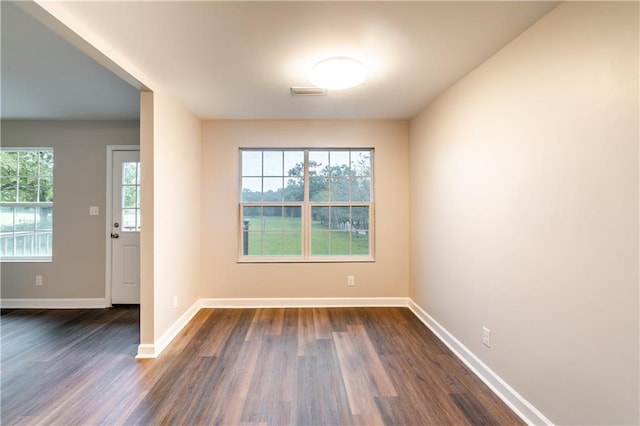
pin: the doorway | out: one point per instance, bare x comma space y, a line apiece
123, 225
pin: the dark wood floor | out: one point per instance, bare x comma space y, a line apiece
362, 366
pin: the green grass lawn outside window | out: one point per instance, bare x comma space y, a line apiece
282, 236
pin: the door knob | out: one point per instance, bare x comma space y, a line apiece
115, 235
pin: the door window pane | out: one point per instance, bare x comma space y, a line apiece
130, 213
130, 196
130, 173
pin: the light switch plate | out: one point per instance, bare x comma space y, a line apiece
94, 211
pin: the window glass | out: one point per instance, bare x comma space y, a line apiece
252, 163
130, 196
327, 218
26, 197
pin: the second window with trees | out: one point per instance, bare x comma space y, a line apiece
306, 205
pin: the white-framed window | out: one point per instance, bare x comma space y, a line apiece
26, 204
306, 205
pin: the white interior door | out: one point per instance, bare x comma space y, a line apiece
125, 227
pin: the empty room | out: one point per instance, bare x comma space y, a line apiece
320, 213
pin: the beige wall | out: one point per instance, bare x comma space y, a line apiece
80, 149
524, 213
173, 147
222, 276
146, 219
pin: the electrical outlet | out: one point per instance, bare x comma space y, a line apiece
351, 280
486, 337
94, 211
38, 279
175, 302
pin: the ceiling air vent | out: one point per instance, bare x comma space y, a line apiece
308, 91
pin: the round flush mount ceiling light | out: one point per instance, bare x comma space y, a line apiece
337, 73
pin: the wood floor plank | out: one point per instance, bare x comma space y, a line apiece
120, 411
267, 322
364, 376
418, 389
290, 323
165, 380
379, 381
317, 402
191, 330
381, 325
214, 388
316, 366
419, 376
322, 324
219, 326
473, 410
27, 420
237, 384
274, 380
85, 402
306, 332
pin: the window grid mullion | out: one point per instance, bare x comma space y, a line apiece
350, 181
282, 225
28, 204
306, 229
330, 214
15, 248
261, 188
38, 179
34, 231
262, 228
350, 223
18, 181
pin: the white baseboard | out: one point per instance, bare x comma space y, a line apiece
54, 303
311, 302
154, 350
146, 351
523, 408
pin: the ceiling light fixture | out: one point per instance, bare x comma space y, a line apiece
337, 73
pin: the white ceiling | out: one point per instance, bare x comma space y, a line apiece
239, 59
44, 77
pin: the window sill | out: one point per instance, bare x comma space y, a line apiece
334, 259
26, 260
